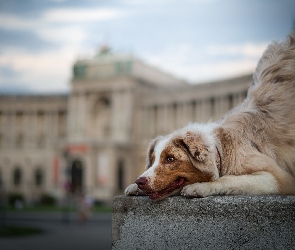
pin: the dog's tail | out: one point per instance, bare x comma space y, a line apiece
274, 77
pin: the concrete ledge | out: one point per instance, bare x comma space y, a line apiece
221, 222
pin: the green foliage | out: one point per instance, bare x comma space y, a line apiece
13, 198
103, 208
16, 231
47, 200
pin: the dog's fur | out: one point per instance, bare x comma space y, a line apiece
250, 151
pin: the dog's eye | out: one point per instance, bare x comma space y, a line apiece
170, 159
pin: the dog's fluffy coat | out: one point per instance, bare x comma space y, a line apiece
251, 150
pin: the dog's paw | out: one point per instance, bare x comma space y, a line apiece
132, 189
196, 190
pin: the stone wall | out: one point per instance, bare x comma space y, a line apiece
221, 222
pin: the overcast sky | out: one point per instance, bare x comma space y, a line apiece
195, 40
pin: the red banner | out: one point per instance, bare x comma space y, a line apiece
77, 148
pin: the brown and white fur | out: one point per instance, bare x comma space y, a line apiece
250, 151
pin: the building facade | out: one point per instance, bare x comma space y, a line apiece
94, 139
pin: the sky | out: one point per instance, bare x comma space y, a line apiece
195, 40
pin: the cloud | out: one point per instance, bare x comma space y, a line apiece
163, 2
63, 34
246, 50
34, 62
9, 21
43, 72
60, 15
204, 64
203, 72
56, 27
224, 69
81, 15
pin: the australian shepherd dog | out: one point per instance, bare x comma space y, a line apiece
250, 151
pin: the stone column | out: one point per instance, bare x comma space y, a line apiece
81, 118
12, 129
71, 116
179, 115
155, 111
225, 104
193, 105
204, 110
126, 114
197, 113
218, 113
116, 115
160, 120
33, 125
237, 99
170, 117
55, 124
6, 129
165, 120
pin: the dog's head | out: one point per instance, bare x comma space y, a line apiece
184, 157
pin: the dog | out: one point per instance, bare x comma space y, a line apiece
250, 151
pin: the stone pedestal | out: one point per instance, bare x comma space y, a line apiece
221, 222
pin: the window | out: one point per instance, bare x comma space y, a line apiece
193, 110
120, 175
77, 175
155, 111
19, 140
123, 67
80, 71
40, 118
19, 118
1, 181
212, 106
39, 177
174, 115
17, 177
102, 116
231, 101
41, 140
61, 124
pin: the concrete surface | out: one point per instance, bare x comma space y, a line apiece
221, 222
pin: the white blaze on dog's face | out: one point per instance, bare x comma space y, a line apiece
175, 161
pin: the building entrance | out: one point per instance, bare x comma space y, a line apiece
77, 176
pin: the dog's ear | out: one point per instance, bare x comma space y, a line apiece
150, 151
199, 152
194, 145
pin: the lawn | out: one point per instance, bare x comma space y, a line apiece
18, 231
55, 208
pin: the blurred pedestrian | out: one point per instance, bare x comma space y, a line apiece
85, 203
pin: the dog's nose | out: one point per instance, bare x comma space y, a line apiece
141, 181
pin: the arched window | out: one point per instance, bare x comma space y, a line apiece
1, 179
77, 175
41, 140
39, 177
17, 176
19, 140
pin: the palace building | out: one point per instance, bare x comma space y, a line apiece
94, 139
